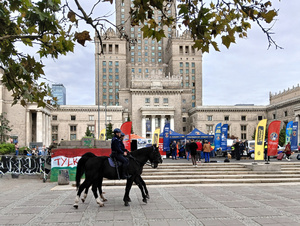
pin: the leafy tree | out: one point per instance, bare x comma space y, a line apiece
4, 128
88, 133
109, 131
46, 27
282, 134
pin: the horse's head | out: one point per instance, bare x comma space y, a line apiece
155, 157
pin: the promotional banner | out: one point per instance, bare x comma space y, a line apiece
224, 132
294, 138
218, 134
166, 137
103, 134
288, 132
260, 139
126, 129
273, 137
155, 137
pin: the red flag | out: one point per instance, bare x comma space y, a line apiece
126, 129
273, 137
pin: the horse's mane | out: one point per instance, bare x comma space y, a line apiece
141, 150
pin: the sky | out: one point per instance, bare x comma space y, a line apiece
243, 74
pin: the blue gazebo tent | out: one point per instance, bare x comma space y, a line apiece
197, 134
174, 135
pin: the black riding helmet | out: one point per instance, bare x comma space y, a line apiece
117, 130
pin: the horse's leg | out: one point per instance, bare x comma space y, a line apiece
100, 190
144, 186
85, 194
138, 181
94, 189
80, 189
127, 190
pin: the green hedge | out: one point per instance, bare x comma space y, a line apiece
7, 148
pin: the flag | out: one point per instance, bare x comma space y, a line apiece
155, 137
288, 132
260, 140
126, 129
273, 137
224, 133
166, 142
294, 138
103, 134
218, 133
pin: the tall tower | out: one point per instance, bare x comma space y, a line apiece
153, 81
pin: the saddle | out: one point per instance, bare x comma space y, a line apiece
114, 163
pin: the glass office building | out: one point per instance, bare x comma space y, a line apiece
59, 91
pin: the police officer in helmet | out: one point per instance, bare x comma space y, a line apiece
119, 153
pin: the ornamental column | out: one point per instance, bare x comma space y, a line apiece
44, 127
162, 123
152, 125
39, 126
28, 129
172, 122
144, 126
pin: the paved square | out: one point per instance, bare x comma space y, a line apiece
32, 202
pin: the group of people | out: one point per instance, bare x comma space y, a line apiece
238, 148
36, 151
192, 150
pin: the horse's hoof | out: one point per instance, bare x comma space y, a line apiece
75, 206
82, 200
101, 205
144, 200
104, 200
126, 204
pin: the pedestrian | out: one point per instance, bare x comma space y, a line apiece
187, 149
237, 150
174, 150
266, 152
206, 150
17, 148
199, 149
288, 151
193, 149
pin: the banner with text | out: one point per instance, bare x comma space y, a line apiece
288, 132
260, 140
273, 137
224, 133
155, 137
167, 137
294, 138
218, 134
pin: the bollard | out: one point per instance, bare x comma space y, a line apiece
63, 177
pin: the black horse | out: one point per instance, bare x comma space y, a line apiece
138, 180
97, 168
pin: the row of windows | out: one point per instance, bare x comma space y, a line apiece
110, 97
110, 83
187, 64
146, 53
139, 47
187, 71
110, 63
110, 77
110, 47
156, 100
72, 117
110, 90
111, 103
110, 70
146, 60
186, 49
226, 118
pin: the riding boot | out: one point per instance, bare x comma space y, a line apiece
125, 174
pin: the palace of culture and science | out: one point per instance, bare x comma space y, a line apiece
149, 82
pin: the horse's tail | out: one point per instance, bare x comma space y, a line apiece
81, 166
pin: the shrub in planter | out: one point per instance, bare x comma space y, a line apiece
7, 148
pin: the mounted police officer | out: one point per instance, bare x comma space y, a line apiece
118, 152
